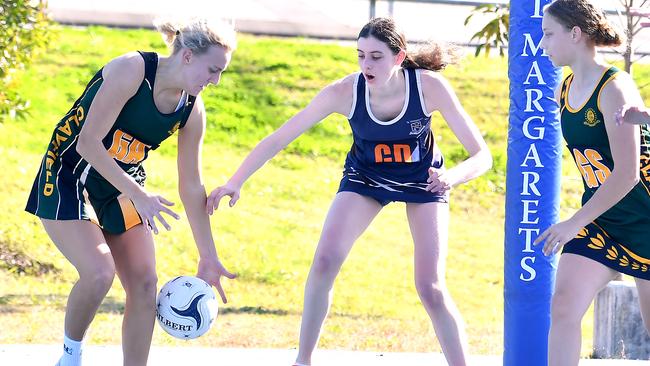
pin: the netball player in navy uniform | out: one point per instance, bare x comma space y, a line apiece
393, 158
609, 233
128, 108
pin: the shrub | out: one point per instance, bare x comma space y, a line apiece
25, 29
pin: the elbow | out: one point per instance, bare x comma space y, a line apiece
489, 162
83, 146
271, 144
190, 192
485, 157
633, 178
629, 181
89, 146
184, 192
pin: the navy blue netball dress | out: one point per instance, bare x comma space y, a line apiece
389, 160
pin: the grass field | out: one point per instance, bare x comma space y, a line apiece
270, 236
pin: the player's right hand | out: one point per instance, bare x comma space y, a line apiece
228, 189
151, 206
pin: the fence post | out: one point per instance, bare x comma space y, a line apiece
618, 328
373, 4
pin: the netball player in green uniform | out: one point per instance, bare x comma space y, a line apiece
608, 234
92, 171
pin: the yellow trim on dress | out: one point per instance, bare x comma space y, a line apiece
568, 105
611, 77
129, 213
636, 257
624, 262
563, 92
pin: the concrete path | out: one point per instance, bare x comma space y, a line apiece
340, 19
47, 355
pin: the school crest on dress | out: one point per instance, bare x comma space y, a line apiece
591, 118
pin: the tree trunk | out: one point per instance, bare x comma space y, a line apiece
629, 33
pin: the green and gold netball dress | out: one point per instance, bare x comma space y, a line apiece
619, 237
66, 184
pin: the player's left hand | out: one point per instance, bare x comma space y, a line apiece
211, 272
228, 189
556, 236
438, 180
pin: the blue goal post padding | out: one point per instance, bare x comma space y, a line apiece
532, 187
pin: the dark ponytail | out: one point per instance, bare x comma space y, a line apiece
431, 56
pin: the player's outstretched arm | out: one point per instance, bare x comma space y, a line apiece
192, 192
336, 97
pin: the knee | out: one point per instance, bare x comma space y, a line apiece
101, 279
143, 285
564, 310
327, 264
149, 283
432, 294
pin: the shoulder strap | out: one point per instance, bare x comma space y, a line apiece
609, 75
187, 110
564, 90
416, 94
354, 95
414, 91
360, 97
150, 66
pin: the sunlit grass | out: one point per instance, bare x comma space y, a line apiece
270, 236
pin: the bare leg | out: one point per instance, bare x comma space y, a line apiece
348, 217
577, 282
429, 227
135, 262
83, 244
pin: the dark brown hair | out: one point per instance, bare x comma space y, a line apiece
431, 56
590, 19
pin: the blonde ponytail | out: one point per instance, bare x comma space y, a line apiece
197, 34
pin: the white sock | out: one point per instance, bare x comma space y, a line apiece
71, 352
299, 364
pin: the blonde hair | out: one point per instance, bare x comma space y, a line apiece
197, 34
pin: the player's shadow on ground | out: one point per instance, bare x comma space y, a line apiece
253, 310
15, 304
12, 303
